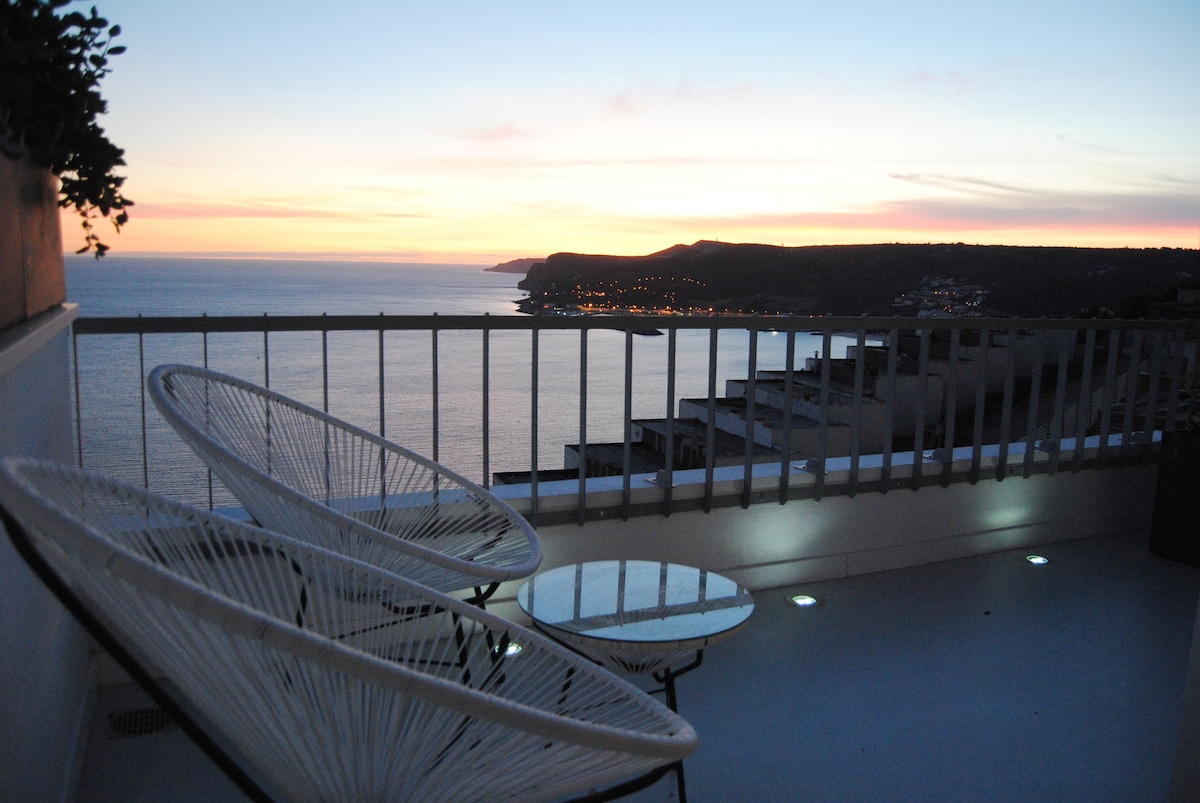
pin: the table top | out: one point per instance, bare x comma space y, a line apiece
636, 601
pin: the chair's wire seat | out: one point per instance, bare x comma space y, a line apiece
394, 693
303, 472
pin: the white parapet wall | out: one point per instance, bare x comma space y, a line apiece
47, 669
769, 545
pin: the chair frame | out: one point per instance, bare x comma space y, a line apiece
279, 505
83, 558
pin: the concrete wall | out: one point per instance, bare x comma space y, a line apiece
771, 545
47, 671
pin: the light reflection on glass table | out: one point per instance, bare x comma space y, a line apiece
640, 616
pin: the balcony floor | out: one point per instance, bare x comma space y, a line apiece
984, 678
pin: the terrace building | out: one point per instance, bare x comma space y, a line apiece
941, 664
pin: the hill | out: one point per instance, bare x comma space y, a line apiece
515, 265
886, 279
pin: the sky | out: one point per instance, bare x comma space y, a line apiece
480, 132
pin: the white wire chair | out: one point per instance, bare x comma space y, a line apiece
303, 472
422, 697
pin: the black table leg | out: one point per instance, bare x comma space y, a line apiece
667, 678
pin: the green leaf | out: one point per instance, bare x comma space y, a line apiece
114, 30
116, 51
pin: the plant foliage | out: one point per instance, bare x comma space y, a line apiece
50, 71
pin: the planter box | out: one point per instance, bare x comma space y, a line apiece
1175, 527
31, 255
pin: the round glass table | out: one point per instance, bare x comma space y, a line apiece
640, 616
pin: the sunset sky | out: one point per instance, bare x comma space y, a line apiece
479, 132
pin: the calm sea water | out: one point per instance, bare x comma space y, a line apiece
111, 368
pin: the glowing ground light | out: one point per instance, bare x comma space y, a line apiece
511, 649
1037, 560
805, 601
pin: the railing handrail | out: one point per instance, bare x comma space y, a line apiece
196, 324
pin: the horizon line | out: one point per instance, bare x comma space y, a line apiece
494, 259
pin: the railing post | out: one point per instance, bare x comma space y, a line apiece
950, 405
1054, 432
627, 444
533, 424
142, 391
823, 420
485, 402
204, 349
267, 385
751, 390
1007, 405
78, 407
918, 457
1176, 372
889, 420
785, 464
324, 364
1131, 392
325, 434
1151, 415
856, 422
1035, 393
433, 359
1083, 415
382, 427
1115, 337
710, 439
266, 354
669, 456
984, 363
581, 505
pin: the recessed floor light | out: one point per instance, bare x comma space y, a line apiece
511, 649
1037, 560
804, 601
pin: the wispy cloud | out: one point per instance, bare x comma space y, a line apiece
649, 96
508, 163
251, 210
346, 256
1033, 211
958, 183
624, 103
1071, 139
501, 132
983, 202
951, 81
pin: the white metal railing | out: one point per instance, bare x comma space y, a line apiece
929, 387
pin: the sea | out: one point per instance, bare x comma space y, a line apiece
111, 368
